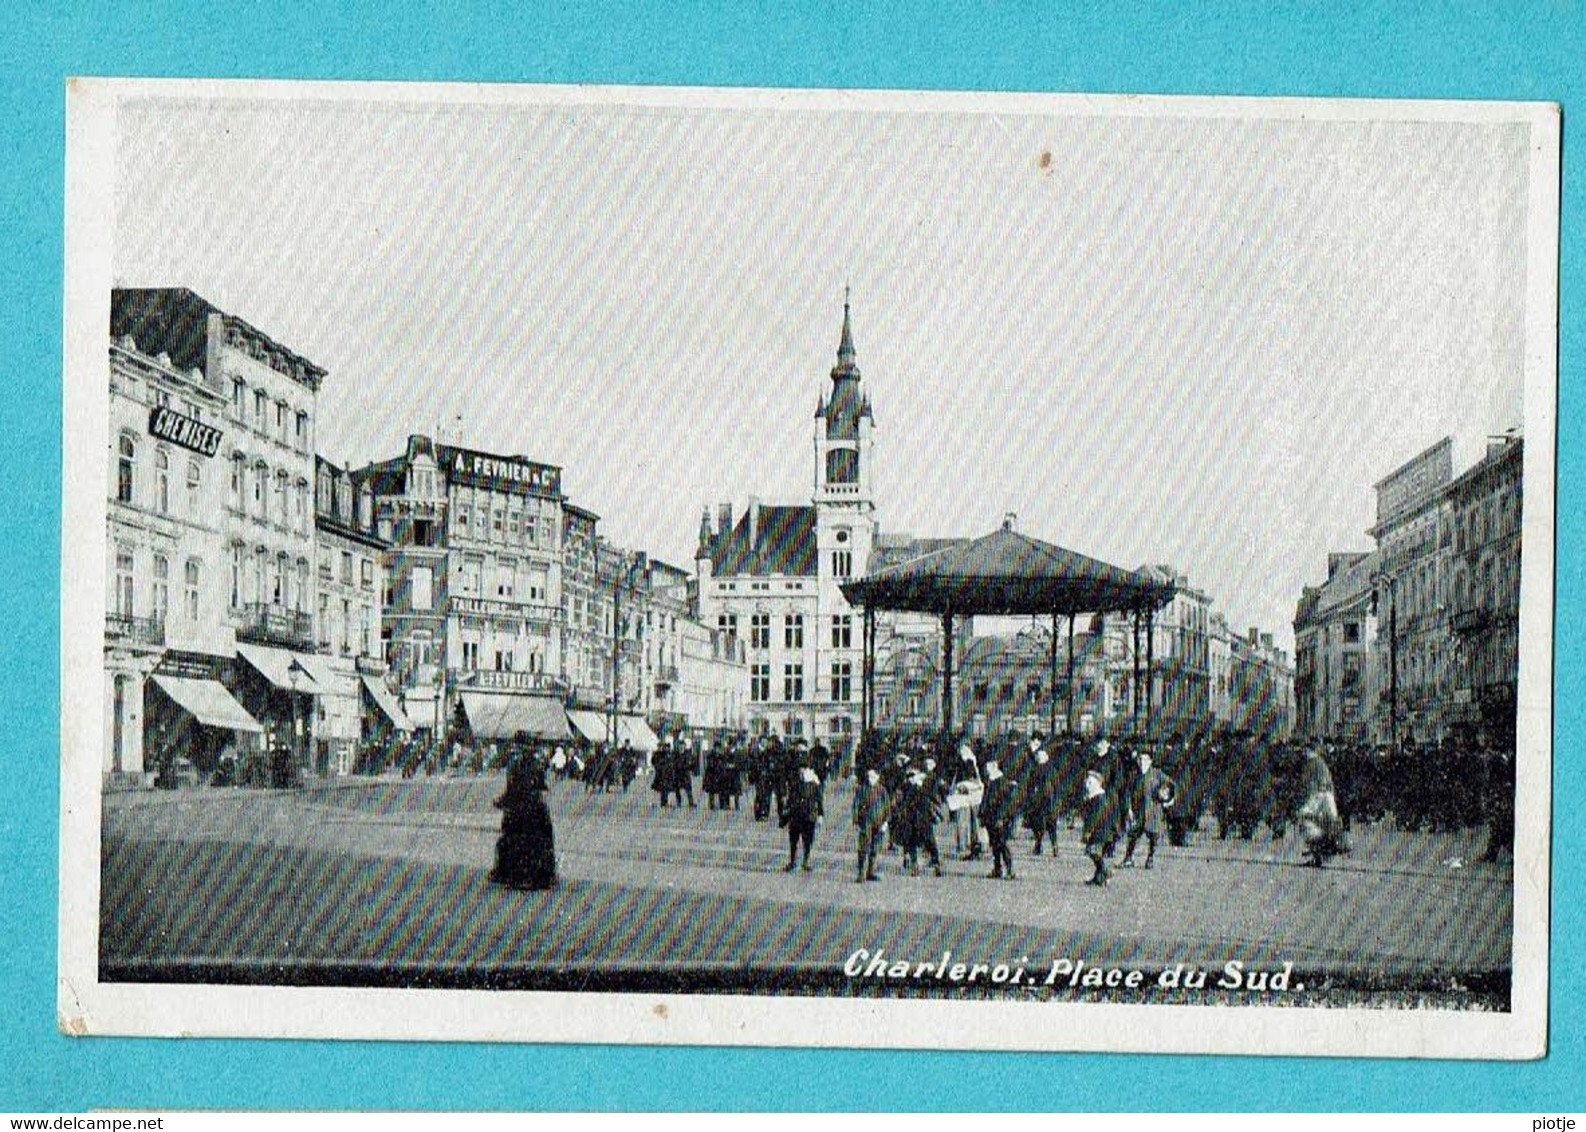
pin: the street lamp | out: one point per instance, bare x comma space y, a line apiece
623, 578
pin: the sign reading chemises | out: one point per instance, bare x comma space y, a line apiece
506, 473
196, 436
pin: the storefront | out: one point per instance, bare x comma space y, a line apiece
195, 731
338, 713
277, 689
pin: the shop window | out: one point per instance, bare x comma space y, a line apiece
190, 589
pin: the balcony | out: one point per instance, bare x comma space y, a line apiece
266, 624
1467, 622
137, 630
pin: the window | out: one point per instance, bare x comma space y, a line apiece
462, 519
279, 580
346, 567
366, 637
259, 594
280, 421
503, 661
302, 432
468, 576
982, 692
162, 481
239, 399
366, 573
727, 623
302, 585
237, 473
760, 631
793, 683
506, 577
498, 522
842, 681
236, 577
793, 631
842, 563
259, 401
195, 478
421, 588
162, 587
760, 683
514, 523
324, 620
190, 594
346, 627
842, 631
538, 584
470, 654
280, 498
126, 466
124, 583
302, 505
1352, 632
261, 490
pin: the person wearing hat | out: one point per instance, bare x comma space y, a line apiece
1101, 819
802, 810
872, 807
997, 812
1150, 793
1041, 796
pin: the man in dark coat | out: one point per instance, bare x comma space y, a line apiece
1100, 807
872, 808
914, 814
1150, 793
801, 810
1040, 796
998, 811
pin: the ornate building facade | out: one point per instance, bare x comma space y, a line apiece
772, 576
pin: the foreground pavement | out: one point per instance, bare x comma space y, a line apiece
385, 881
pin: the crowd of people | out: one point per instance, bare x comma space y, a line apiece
1125, 796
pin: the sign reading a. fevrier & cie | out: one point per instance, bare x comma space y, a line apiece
168, 424
505, 473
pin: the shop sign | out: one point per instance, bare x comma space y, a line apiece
167, 424
190, 666
491, 680
506, 473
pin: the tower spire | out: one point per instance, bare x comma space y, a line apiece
845, 348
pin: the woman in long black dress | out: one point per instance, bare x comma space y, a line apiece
526, 849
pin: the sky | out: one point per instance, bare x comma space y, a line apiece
1187, 340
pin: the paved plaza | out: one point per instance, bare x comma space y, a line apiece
386, 881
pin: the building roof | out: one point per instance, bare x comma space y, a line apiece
767, 539
895, 549
1006, 572
175, 321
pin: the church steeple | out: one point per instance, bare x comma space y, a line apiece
845, 349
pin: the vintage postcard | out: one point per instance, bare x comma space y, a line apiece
808, 568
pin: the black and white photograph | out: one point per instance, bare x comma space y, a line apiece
808, 568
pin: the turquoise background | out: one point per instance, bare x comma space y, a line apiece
1507, 50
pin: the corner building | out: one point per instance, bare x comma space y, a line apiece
772, 576
473, 603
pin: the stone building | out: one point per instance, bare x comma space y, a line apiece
1335, 636
771, 576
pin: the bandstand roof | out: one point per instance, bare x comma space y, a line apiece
1007, 573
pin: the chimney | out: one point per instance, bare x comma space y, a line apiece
754, 520
723, 518
1266, 640
1009, 520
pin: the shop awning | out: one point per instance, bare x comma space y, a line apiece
333, 681
502, 716
637, 732
281, 667
208, 702
387, 703
590, 724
